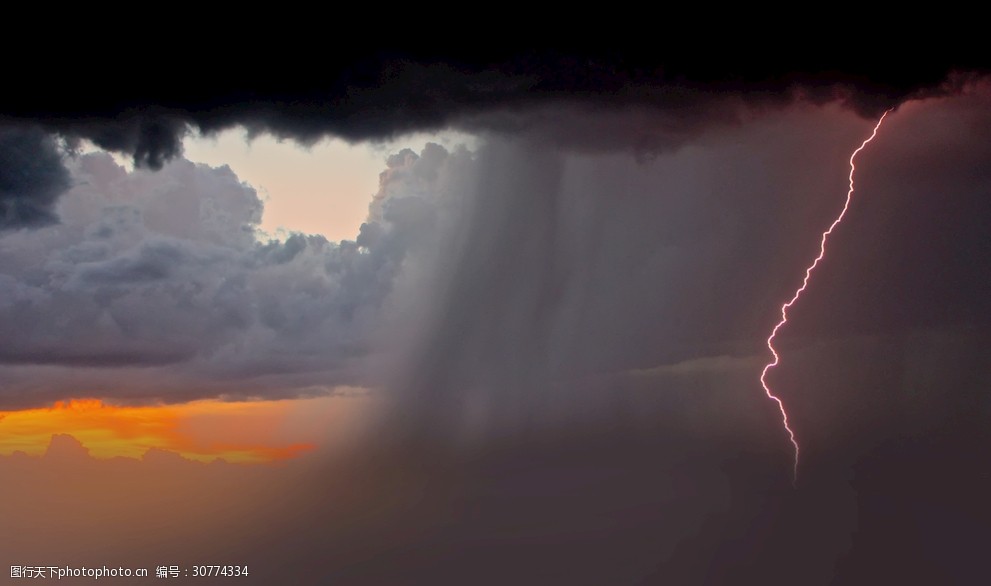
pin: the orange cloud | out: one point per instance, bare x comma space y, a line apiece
243, 432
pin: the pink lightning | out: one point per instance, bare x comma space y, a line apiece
798, 293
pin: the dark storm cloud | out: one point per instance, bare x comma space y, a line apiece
360, 92
151, 139
32, 177
645, 97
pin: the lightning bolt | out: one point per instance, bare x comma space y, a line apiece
798, 293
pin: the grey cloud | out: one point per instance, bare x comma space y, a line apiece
157, 284
152, 261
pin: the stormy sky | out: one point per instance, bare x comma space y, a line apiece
561, 322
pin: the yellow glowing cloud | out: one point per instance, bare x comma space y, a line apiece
202, 430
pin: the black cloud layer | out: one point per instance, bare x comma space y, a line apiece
370, 93
303, 84
316, 87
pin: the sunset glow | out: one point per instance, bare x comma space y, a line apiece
242, 432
